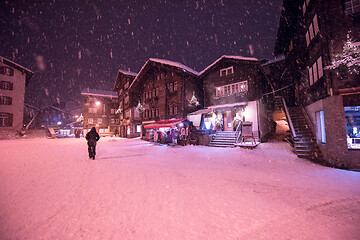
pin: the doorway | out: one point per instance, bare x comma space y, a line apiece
228, 125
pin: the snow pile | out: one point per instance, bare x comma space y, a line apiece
137, 190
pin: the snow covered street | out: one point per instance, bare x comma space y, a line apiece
137, 190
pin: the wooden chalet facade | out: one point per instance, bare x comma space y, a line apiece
164, 90
312, 35
233, 88
13, 81
100, 111
129, 117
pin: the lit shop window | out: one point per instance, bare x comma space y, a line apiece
352, 118
232, 89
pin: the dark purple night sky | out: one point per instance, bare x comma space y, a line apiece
73, 44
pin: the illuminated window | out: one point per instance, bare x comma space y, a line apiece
320, 127
90, 121
99, 121
352, 118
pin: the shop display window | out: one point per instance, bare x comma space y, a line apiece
352, 118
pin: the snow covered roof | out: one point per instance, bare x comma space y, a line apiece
175, 64
10, 63
127, 73
101, 93
228, 105
277, 59
166, 62
229, 57
201, 111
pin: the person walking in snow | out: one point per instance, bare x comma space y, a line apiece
92, 137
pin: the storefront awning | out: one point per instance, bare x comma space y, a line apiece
201, 111
164, 123
228, 105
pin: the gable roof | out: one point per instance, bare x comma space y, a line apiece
128, 73
132, 75
100, 93
168, 63
22, 69
241, 58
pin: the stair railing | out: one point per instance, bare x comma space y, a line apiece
287, 114
308, 119
238, 132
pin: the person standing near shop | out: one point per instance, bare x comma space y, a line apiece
92, 137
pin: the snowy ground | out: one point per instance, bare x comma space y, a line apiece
135, 190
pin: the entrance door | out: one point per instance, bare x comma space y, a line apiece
228, 120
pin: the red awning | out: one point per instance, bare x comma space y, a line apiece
165, 123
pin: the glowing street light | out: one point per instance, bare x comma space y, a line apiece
97, 103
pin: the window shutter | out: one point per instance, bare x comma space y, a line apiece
311, 76
315, 72
320, 67
316, 25
11, 86
307, 38
311, 30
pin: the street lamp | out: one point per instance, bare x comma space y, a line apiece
97, 103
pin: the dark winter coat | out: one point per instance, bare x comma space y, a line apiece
92, 137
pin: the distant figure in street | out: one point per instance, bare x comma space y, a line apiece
92, 137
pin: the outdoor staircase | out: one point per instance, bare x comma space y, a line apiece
225, 138
305, 145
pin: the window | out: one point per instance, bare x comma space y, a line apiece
316, 71
112, 121
6, 119
175, 86
99, 121
146, 95
231, 89
320, 127
226, 71
352, 118
352, 7
5, 100
312, 31
154, 92
5, 85
126, 99
7, 71
171, 87
291, 46
156, 112
90, 121
138, 128
173, 109
128, 113
126, 86
112, 111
